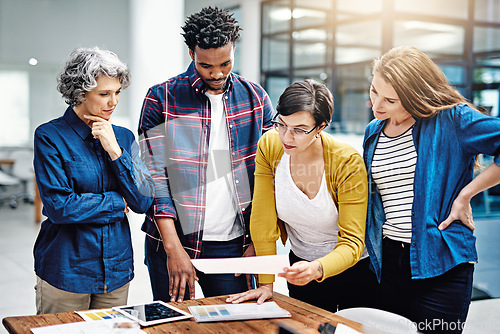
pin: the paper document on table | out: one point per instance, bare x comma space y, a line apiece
231, 312
82, 327
269, 264
99, 314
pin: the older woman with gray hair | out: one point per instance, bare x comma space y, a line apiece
89, 174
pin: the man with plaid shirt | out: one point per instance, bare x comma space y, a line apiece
198, 133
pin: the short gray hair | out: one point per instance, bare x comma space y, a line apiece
83, 67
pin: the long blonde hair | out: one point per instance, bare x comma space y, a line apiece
420, 84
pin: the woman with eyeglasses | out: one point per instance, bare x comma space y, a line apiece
311, 189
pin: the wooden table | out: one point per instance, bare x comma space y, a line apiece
37, 203
305, 319
7, 162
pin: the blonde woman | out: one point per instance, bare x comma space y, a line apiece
419, 153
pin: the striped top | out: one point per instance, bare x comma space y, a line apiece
393, 171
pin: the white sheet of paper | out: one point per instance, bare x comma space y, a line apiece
269, 264
232, 312
82, 327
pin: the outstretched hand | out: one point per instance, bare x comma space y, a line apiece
303, 272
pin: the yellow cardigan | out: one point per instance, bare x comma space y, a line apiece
346, 178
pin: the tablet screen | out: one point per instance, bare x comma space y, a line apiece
154, 312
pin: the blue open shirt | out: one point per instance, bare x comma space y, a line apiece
84, 245
446, 146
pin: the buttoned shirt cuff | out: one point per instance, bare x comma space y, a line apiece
123, 164
164, 211
118, 205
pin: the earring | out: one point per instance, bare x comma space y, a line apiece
316, 136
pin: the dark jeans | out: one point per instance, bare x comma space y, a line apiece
354, 287
211, 285
436, 305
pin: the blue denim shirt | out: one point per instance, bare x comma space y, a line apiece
84, 245
446, 146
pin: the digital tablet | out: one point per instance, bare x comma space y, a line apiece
153, 313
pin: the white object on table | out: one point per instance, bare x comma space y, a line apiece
268, 264
376, 321
83, 327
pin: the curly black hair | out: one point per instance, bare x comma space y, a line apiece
210, 28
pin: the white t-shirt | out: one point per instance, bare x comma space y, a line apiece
311, 224
220, 214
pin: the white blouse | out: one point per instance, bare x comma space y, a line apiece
311, 224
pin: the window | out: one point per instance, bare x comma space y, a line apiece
14, 131
442, 8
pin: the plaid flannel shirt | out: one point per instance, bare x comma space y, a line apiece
174, 132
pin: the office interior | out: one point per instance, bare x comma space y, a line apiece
331, 41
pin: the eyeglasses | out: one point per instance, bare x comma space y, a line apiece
281, 128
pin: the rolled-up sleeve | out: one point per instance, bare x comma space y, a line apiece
151, 140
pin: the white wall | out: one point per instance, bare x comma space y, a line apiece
144, 33
49, 30
157, 48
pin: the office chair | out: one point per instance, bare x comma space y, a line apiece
23, 171
17, 175
7, 182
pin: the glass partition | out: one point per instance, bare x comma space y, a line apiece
276, 52
430, 37
443, 8
362, 33
305, 17
276, 87
309, 54
334, 41
486, 39
318, 74
487, 10
354, 8
455, 74
277, 14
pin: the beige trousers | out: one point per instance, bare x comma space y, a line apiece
50, 299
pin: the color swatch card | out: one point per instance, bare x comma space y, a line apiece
245, 311
101, 314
